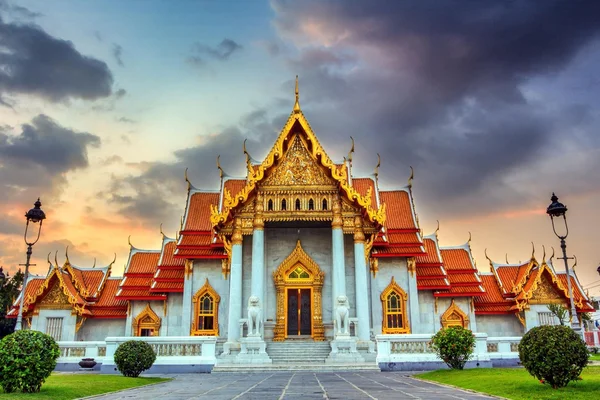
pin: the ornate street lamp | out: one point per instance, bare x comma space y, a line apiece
557, 210
34, 216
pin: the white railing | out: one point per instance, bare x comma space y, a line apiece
75, 351
170, 350
503, 347
417, 348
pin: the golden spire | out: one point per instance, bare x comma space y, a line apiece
297, 103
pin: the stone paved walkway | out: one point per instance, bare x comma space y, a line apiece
295, 386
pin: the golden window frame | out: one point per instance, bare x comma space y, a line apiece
389, 290
147, 319
206, 289
454, 316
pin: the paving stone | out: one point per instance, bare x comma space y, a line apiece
295, 386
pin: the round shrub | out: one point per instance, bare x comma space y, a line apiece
134, 357
553, 354
27, 358
454, 346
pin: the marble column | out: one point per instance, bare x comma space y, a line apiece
360, 281
337, 243
235, 284
186, 316
413, 296
258, 254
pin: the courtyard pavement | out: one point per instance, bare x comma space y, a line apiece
295, 386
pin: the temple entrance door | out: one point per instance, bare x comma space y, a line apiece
299, 312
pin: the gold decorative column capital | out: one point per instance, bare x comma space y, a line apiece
336, 208
258, 223
411, 263
359, 234
236, 238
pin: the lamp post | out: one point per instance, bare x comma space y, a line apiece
557, 210
34, 216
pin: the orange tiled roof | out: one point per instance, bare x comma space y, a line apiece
87, 279
465, 279
397, 251
362, 185
399, 211
208, 253
169, 274
136, 281
167, 256
70, 288
234, 186
108, 312
437, 271
431, 256
138, 294
492, 301
198, 212
461, 290
107, 298
403, 238
143, 262
457, 260
580, 299
33, 284
432, 283
162, 287
512, 275
195, 240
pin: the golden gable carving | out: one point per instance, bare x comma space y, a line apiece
55, 298
297, 168
545, 292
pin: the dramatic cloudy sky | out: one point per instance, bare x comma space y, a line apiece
103, 104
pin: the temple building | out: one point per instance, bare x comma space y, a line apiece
298, 251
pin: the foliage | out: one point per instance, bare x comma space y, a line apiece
76, 386
454, 345
27, 358
516, 383
9, 291
553, 354
560, 312
134, 357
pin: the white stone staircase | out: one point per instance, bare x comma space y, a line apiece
296, 355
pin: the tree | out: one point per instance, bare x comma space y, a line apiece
9, 291
559, 311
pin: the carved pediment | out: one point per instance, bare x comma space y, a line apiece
55, 298
297, 168
545, 292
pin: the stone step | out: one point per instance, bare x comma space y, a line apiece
304, 367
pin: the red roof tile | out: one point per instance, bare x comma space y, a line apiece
143, 262
170, 274
404, 238
195, 240
199, 253
107, 298
234, 186
198, 213
456, 259
398, 209
432, 255
362, 185
163, 287
397, 251
429, 283
138, 294
167, 256
136, 281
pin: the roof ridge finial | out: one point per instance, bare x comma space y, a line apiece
297, 102
113, 261
161, 231
469, 241
438, 227
94, 266
67, 254
221, 173
248, 160
189, 184
349, 158
376, 173
544, 254
411, 177
506, 258
552, 256
129, 241
56, 260
532, 251
574, 265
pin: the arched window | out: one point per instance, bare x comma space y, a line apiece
206, 312
270, 205
297, 204
311, 204
324, 204
454, 316
393, 303
283, 205
147, 323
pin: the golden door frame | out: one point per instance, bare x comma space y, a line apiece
314, 281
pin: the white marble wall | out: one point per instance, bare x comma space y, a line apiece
532, 318
99, 329
38, 323
388, 267
500, 325
211, 269
429, 319
173, 319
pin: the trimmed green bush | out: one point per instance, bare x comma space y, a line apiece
134, 357
553, 354
27, 358
454, 346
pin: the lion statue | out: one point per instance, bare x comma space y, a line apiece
254, 316
342, 316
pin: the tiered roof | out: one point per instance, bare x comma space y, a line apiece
170, 271
89, 291
139, 272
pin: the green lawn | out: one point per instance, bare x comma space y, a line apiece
595, 357
516, 383
73, 386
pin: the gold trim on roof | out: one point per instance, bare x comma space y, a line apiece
338, 172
